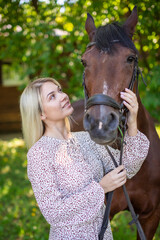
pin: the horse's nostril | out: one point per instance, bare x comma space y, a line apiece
87, 116
87, 122
92, 121
111, 121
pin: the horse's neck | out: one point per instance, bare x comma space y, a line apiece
144, 121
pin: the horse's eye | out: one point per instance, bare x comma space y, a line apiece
130, 59
83, 62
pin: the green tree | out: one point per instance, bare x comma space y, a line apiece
48, 39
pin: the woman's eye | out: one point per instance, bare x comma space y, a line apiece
130, 59
60, 90
52, 96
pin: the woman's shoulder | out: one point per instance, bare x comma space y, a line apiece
36, 148
42, 146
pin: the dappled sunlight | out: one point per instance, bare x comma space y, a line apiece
6, 169
30, 193
120, 226
18, 208
158, 129
15, 142
6, 188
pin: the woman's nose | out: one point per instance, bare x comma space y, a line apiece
63, 96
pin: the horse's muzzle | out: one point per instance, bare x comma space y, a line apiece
102, 131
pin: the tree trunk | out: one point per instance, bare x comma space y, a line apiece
35, 5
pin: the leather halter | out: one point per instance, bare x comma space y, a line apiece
102, 99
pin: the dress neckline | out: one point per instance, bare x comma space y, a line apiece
70, 139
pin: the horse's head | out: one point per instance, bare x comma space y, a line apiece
109, 62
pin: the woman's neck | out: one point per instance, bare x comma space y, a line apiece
58, 130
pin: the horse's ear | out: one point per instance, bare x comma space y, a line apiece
131, 22
90, 27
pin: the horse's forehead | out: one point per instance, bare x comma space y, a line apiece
106, 72
93, 53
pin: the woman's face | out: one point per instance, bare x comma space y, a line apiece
55, 103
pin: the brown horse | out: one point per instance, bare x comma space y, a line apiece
109, 64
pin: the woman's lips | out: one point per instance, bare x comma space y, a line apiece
67, 104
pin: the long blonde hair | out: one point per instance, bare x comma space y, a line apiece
31, 108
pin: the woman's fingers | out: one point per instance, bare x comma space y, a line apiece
130, 98
122, 182
131, 103
118, 174
129, 91
130, 107
114, 179
119, 169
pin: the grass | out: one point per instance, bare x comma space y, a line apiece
158, 129
20, 217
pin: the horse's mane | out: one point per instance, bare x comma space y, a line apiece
109, 34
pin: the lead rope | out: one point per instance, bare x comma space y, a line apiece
109, 195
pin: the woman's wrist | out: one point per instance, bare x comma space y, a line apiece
103, 186
132, 129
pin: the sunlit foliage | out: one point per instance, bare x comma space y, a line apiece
50, 39
19, 215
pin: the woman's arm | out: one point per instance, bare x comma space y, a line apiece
137, 144
58, 210
134, 153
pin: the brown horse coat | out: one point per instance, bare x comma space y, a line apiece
144, 188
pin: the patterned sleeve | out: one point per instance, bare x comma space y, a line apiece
58, 210
134, 154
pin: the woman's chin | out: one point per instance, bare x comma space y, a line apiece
70, 111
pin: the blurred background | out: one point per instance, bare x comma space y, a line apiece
40, 38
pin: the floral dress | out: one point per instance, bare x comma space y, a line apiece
65, 177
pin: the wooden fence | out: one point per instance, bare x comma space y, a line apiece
10, 120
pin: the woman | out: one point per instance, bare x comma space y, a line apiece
66, 169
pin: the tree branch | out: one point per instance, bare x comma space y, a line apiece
35, 4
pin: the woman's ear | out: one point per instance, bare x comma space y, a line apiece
43, 116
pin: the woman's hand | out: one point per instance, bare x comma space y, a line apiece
130, 101
114, 179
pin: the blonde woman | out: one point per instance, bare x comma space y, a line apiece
66, 169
